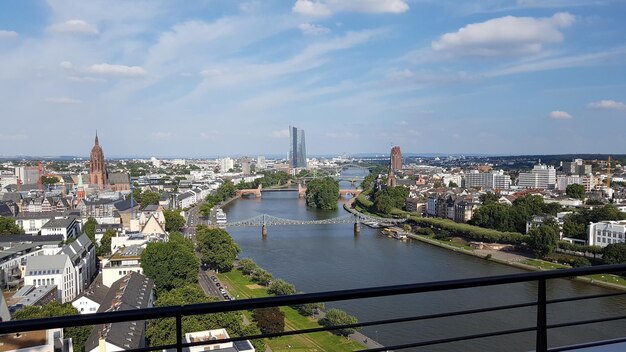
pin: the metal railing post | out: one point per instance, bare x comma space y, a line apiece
179, 332
542, 318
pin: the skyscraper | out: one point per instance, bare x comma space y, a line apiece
396, 159
297, 148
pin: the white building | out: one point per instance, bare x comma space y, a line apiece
67, 227
260, 163
541, 176
216, 334
226, 164
606, 232
52, 270
121, 263
32, 223
487, 180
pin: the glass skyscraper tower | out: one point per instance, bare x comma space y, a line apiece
297, 148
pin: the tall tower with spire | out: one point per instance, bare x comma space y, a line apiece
97, 167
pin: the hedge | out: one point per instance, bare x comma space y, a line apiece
471, 232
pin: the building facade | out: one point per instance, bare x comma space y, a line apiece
607, 232
297, 148
541, 176
396, 159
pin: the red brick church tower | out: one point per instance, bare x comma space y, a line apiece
97, 167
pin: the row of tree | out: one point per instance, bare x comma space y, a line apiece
269, 179
271, 320
511, 218
225, 191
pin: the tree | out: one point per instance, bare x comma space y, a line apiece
390, 198
575, 191
148, 198
160, 331
494, 216
281, 287
173, 220
270, 320
9, 227
247, 266
205, 209
335, 317
49, 180
105, 243
217, 248
78, 334
452, 184
614, 253
322, 193
573, 227
170, 264
90, 229
309, 309
543, 239
488, 197
261, 277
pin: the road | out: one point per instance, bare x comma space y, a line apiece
209, 287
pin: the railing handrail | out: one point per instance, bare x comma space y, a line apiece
329, 296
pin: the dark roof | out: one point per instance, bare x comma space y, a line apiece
67, 179
102, 201
14, 196
117, 178
40, 215
30, 238
62, 223
132, 291
5, 210
151, 207
124, 205
96, 291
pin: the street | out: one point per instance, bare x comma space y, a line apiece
209, 287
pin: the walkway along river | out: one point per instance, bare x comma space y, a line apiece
329, 257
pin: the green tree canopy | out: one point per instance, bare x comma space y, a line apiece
614, 253
281, 287
322, 193
390, 198
78, 334
160, 331
270, 320
105, 243
217, 248
49, 180
336, 317
575, 191
90, 229
543, 239
9, 227
173, 220
170, 264
247, 266
148, 198
488, 197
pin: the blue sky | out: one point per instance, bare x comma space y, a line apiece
204, 78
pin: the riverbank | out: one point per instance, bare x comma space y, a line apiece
512, 259
242, 288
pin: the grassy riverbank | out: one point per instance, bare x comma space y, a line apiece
241, 287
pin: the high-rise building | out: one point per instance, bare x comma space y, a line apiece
576, 167
297, 148
245, 165
97, 167
541, 176
396, 159
487, 180
226, 164
260, 163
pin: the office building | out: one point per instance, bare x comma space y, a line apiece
297, 148
541, 176
607, 232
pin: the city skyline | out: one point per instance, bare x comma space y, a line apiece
225, 78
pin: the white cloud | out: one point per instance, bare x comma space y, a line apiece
311, 8
66, 64
281, 133
209, 135
313, 29
74, 26
323, 8
607, 105
212, 72
342, 135
163, 135
560, 115
63, 101
116, 70
504, 36
8, 34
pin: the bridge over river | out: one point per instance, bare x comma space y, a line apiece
257, 192
265, 220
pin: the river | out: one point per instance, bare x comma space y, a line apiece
329, 257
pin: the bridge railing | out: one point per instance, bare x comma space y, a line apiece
540, 329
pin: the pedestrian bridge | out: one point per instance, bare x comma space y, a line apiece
269, 220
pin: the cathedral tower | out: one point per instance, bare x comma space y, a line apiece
97, 167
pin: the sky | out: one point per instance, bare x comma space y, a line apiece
208, 77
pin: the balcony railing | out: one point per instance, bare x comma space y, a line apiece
540, 328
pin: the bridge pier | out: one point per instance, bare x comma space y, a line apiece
357, 228
264, 231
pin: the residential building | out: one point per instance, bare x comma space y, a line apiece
82, 254
36, 341
541, 176
67, 227
297, 148
260, 163
131, 291
91, 299
487, 180
35, 296
122, 262
32, 223
52, 270
576, 167
226, 164
245, 165
606, 232
96, 208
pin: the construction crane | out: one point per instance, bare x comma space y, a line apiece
608, 174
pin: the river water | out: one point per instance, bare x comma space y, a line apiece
329, 257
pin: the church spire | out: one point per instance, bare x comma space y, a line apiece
97, 143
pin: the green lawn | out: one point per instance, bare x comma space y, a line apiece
544, 265
448, 243
612, 279
239, 286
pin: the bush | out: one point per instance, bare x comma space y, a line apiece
281, 288
261, 277
335, 317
